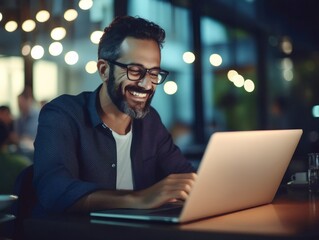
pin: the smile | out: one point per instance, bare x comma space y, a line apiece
138, 94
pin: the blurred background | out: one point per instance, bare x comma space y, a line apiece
234, 64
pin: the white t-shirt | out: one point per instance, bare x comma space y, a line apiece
124, 179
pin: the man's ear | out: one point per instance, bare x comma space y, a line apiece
103, 68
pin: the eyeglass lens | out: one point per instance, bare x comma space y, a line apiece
135, 73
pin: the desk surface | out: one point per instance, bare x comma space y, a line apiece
294, 214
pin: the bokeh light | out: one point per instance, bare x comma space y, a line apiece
55, 48
37, 52
188, 57
170, 87
91, 67
215, 60
71, 57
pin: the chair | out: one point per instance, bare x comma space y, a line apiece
22, 208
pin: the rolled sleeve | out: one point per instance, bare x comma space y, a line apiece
56, 161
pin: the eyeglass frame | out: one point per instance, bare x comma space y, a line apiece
143, 74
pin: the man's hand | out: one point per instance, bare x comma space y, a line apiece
173, 187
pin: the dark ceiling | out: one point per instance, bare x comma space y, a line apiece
298, 18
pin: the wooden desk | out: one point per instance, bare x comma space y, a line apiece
294, 214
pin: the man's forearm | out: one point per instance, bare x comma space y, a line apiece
105, 199
174, 186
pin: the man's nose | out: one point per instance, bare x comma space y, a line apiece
146, 82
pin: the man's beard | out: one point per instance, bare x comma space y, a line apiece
117, 98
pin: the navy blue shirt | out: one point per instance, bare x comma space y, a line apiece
75, 153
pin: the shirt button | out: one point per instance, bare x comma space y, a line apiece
113, 165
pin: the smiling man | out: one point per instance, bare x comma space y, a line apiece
108, 148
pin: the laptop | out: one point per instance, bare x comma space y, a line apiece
239, 170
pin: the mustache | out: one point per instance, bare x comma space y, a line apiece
139, 89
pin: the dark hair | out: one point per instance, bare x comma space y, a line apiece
5, 108
4, 133
127, 26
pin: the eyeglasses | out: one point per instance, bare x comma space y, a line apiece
137, 72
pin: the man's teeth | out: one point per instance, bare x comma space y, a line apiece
138, 94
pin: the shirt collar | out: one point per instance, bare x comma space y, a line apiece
93, 102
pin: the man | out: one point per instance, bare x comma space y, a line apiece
109, 148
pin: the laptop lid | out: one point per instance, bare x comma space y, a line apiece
238, 170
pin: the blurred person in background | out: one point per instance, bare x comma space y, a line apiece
27, 122
7, 118
279, 114
11, 164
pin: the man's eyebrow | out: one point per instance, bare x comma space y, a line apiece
138, 64
133, 63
